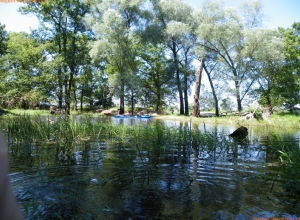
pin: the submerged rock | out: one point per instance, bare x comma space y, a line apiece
240, 133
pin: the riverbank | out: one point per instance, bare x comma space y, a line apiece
278, 119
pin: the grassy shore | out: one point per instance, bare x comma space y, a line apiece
278, 119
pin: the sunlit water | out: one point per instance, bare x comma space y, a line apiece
108, 181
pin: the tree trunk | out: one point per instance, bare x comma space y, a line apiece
237, 91
60, 88
213, 92
75, 96
65, 83
185, 79
132, 102
81, 100
67, 91
60, 79
68, 94
69, 85
196, 105
158, 102
186, 99
238, 98
122, 96
181, 105
91, 102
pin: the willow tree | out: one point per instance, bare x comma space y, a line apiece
175, 18
156, 73
115, 23
223, 31
268, 61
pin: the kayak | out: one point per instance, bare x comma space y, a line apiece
132, 116
145, 116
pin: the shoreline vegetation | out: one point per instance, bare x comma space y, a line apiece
278, 119
22, 130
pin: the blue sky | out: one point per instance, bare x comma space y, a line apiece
281, 13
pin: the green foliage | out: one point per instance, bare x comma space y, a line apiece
289, 80
176, 20
116, 41
290, 160
63, 24
280, 79
65, 131
142, 52
3, 40
233, 42
292, 42
156, 73
24, 64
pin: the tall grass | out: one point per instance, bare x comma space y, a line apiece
290, 161
65, 131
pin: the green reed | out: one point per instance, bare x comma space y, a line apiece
289, 156
64, 130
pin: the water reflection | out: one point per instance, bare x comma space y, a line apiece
130, 121
103, 179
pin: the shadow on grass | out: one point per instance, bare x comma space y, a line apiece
2, 112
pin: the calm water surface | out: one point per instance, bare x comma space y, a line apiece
106, 180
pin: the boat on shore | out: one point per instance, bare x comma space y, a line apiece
132, 116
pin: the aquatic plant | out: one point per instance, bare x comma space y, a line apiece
64, 131
133, 152
290, 160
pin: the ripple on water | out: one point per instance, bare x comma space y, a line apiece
177, 185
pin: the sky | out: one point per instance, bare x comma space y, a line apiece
280, 13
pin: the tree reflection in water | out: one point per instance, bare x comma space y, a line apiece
200, 175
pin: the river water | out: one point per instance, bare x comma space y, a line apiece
109, 181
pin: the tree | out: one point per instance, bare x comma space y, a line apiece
62, 22
24, 64
115, 25
156, 72
268, 62
177, 26
223, 32
3, 40
196, 104
213, 87
289, 82
3, 47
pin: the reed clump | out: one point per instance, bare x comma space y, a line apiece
290, 166
65, 129
64, 132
